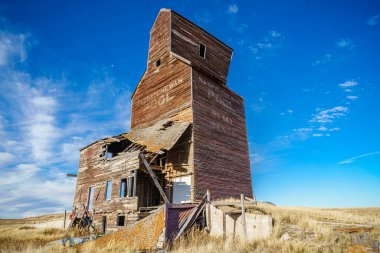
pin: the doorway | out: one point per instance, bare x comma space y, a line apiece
104, 224
181, 190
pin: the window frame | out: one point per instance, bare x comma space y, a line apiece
108, 190
118, 220
204, 51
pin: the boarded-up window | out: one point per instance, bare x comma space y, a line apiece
108, 190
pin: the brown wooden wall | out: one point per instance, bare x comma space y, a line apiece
95, 171
220, 140
180, 160
162, 94
185, 39
159, 39
165, 90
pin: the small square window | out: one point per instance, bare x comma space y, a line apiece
158, 62
202, 50
120, 220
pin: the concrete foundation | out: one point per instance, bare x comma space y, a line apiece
259, 226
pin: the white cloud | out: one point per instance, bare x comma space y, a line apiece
350, 83
256, 158
11, 48
352, 97
374, 20
320, 134
288, 111
5, 158
345, 44
233, 9
328, 115
42, 127
275, 34
325, 129
18, 173
353, 159
325, 59
268, 43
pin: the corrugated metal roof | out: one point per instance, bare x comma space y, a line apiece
176, 215
160, 136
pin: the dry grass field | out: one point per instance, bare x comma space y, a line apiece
302, 229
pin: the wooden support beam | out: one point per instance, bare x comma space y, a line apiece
134, 182
243, 214
193, 216
208, 211
153, 176
64, 220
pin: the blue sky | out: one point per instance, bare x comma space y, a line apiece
308, 70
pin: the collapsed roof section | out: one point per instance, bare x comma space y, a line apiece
158, 138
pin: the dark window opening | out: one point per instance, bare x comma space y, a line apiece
120, 220
114, 148
202, 50
158, 62
104, 224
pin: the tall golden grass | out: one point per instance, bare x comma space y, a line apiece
309, 230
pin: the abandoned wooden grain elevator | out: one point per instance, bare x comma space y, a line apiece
188, 133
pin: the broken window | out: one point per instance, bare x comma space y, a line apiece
202, 50
123, 188
127, 187
90, 200
108, 190
120, 220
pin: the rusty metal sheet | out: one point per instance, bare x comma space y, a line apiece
176, 215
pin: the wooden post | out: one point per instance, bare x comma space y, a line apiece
64, 220
134, 183
208, 210
243, 215
142, 156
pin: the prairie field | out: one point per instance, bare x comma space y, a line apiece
295, 229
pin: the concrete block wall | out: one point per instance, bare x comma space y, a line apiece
231, 225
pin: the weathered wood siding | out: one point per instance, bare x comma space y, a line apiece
221, 157
185, 39
180, 160
165, 90
95, 171
159, 41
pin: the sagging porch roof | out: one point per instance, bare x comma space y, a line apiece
159, 137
